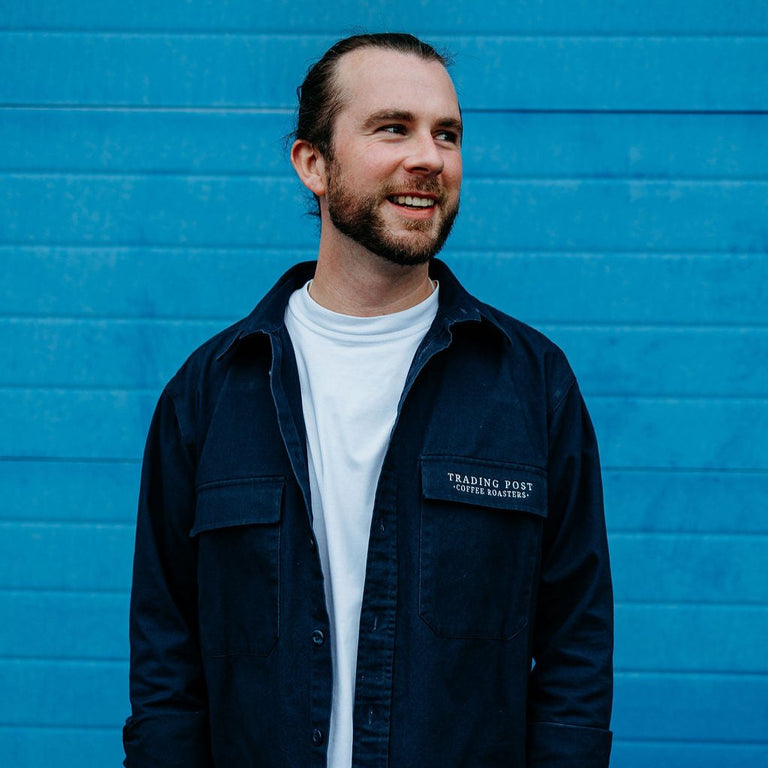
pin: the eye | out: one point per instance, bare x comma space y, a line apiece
395, 129
451, 137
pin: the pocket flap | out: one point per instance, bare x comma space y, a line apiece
245, 501
501, 485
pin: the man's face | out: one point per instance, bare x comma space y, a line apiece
393, 179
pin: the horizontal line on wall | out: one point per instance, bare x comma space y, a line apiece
311, 250
70, 459
143, 108
679, 535
142, 176
688, 673
312, 32
694, 674
740, 605
45, 592
590, 395
607, 111
640, 179
542, 322
125, 593
284, 108
614, 535
735, 605
614, 531
290, 110
685, 470
618, 469
101, 318
614, 469
304, 247
634, 398
48, 523
107, 661
736, 744
59, 728
84, 389
644, 326
730, 605
63, 660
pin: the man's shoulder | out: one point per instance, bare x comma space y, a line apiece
209, 362
539, 363
523, 336
206, 366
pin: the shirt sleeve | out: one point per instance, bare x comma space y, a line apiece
571, 683
169, 722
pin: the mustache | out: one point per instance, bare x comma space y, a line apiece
430, 186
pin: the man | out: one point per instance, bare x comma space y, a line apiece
370, 528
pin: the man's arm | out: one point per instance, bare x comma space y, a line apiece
571, 685
169, 724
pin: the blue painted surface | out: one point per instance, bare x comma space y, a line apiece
616, 196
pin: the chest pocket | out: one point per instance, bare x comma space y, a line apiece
480, 541
237, 523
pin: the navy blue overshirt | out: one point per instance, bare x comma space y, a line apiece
486, 626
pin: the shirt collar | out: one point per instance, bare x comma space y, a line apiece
456, 304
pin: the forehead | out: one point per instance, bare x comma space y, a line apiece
373, 79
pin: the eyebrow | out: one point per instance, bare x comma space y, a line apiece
404, 116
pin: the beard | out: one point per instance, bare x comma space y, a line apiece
359, 218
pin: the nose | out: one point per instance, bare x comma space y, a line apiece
424, 156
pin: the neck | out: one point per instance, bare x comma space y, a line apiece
353, 281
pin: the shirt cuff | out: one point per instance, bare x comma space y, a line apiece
554, 745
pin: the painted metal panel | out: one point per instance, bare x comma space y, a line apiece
27, 746
695, 707
663, 501
52, 491
539, 17
64, 625
681, 637
56, 556
614, 360
491, 72
69, 694
497, 144
689, 568
655, 216
537, 287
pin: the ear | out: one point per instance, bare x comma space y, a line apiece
309, 164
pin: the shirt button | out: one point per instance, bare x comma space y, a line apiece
318, 638
317, 737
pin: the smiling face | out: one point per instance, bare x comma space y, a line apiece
392, 181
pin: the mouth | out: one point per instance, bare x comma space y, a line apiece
413, 202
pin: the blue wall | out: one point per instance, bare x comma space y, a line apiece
616, 196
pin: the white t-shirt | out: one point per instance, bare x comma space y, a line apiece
352, 372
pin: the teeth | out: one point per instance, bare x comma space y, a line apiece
416, 202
